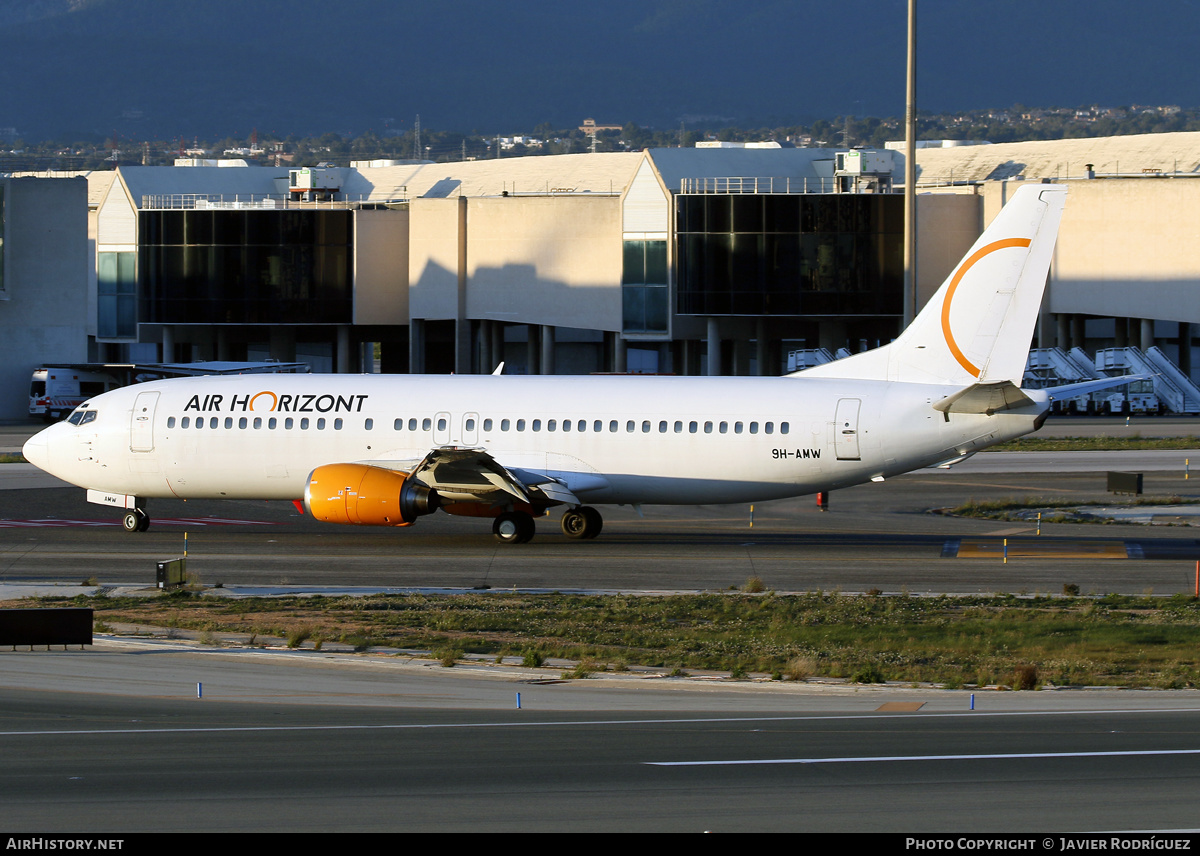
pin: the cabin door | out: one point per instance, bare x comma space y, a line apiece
441, 429
845, 429
141, 426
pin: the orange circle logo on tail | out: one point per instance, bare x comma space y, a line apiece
973, 369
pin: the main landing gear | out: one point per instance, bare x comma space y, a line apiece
583, 522
136, 520
513, 527
517, 527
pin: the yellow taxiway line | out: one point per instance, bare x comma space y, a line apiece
1036, 548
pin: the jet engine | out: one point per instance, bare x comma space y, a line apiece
366, 496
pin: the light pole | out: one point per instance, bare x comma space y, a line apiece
910, 173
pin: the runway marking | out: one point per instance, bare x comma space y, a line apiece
593, 723
883, 759
56, 522
1033, 548
901, 706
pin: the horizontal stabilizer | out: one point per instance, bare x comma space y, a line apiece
986, 398
1071, 390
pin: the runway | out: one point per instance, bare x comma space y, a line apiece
875, 536
115, 740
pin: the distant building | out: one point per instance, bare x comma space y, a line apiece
554, 264
43, 281
223, 263
590, 127
691, 261
727, 144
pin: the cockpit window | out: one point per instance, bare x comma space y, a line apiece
88, 416
75, 417
81, 416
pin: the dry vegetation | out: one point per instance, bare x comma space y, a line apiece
967, 641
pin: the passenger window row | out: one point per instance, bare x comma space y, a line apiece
614, 426
259, 423
578, 426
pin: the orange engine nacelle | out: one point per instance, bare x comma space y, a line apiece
366, 496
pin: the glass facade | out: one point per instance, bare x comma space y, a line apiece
789, 254
116, 295
246, 267
644, 293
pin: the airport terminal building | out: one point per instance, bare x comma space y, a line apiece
677, 260
688, 261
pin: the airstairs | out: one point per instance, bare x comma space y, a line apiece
1054, 366
806, 358
1173, 388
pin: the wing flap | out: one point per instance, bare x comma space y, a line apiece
557, 493
467, 473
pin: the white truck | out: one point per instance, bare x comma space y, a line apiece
54, 391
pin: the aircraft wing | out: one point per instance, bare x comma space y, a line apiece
467, 474
474, 475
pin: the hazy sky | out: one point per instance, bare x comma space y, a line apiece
217, 67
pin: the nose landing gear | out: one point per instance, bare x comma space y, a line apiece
136, 520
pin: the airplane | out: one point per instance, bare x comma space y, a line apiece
385, 450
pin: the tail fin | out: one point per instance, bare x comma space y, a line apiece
977, 327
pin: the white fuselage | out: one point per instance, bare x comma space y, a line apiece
619, 439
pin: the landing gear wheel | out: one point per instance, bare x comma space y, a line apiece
595, 521
513, 527
136, 520
584, 522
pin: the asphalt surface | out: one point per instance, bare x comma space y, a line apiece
114, 739
885, 536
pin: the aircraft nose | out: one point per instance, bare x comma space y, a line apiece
36, 451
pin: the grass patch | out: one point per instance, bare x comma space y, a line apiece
12, 458
1113, 640
583, 669
297, 636
1095, 444
1025, 678
997, 508
1010, 508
